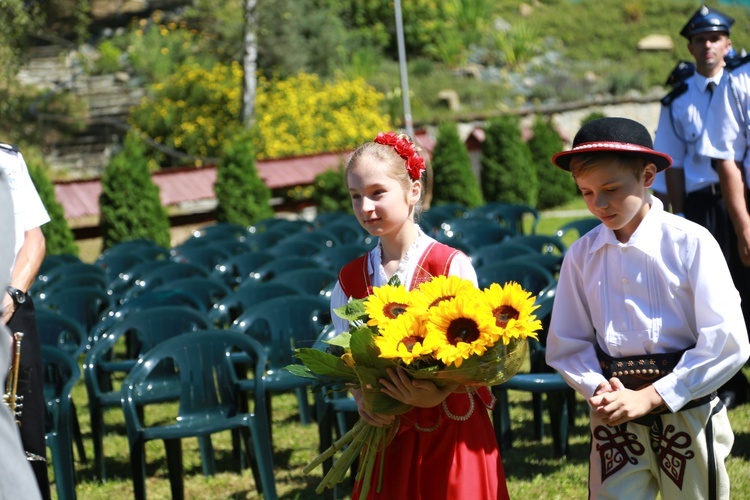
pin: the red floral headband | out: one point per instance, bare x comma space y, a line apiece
405, 149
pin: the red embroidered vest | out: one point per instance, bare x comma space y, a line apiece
435, 261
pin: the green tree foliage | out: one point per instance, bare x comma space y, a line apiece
58, 237
129, 205
508, 174
454, 180
556, 186
330, 193
594, 115
242, 196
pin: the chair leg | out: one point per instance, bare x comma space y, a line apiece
264, 455
78, 436
207, 455
305, 415
138, 469
246, 436
559, 419
97, 436
174, 465
537, 405
501, 419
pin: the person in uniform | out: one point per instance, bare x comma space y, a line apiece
692, 184
18, 308
16, 477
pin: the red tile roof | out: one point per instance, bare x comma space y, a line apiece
180, 185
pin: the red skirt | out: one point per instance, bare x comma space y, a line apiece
446, 452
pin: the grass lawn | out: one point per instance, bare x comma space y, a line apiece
532, 470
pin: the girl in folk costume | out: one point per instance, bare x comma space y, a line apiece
445, 446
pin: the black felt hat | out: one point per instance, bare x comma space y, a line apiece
707, 19
620, 136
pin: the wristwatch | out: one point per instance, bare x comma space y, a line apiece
17, 295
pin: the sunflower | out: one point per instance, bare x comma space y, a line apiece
440, 288
403, 339
386, 303
512, 307
459, 328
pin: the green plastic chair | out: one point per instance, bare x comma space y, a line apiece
542, 243
335, 258
498, 252
280, 265
532, 277
281, 325
67, 275
577, 227
541, 380
208, 290
226, 310
147, 328
83, 304
238, 268
153, 278
210, 401
61, 372
308, 281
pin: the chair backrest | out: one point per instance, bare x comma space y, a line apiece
498, 252
82, 304
542, 243
532, 277
285, 323
348, 232
60, 373
335, 258
61, 332
236, 269
313, 281
262, 241
163, 274
80, 271
577, 227
208, 379
299, 248
221, 230
271, 269
205, 255
229, 308
116, 263
208, 290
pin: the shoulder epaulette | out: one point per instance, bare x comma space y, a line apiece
674, 94
9, 147
735, 62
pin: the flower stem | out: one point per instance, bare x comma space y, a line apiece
335, 447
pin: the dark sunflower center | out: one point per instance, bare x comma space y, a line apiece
462, 330
410, 342
439, 300
503, 314
393, 309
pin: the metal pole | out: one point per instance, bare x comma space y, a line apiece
402, 66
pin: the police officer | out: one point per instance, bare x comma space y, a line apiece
693, 185
18, 309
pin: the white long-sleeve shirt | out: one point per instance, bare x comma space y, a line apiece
666, 289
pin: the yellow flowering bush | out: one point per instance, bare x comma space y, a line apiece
195, 110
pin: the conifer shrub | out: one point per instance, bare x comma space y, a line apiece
454, 180
129, 205
242, 196
508, 173
556, 186
59, 238
330, 193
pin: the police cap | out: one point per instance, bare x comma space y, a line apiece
707, 19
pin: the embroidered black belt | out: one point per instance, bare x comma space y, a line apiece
636, 372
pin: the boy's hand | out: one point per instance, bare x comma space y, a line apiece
420, 393
611, 385
623, 405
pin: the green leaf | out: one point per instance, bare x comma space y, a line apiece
341, 340
325, 365
354, 310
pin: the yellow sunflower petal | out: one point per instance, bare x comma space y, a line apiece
402, 338
459, 328
431, 293
512, 307
386, 303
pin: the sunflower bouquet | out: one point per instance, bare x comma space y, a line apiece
446, 330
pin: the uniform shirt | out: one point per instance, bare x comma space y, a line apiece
663, 291
460, 266
726, 125
7, 242
681, 126
27, 205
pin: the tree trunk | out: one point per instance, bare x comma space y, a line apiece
250, 65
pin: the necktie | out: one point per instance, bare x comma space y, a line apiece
710, 86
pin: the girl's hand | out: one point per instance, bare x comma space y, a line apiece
374, 419
420, 393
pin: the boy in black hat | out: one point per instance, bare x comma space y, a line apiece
646, 326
